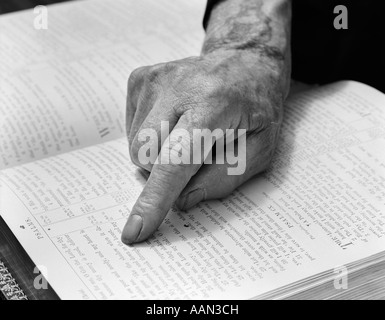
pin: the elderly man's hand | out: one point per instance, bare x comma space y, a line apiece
222, 90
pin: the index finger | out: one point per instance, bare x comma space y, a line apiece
166, 182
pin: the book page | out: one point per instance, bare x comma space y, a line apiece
320, 205
65, 87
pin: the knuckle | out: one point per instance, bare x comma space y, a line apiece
145, 79
143, 206
137, 73
136, 77
171, 66
154, 74
157, 69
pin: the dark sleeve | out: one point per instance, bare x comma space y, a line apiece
321, 54
209, 7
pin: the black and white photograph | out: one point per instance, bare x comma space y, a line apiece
190, 155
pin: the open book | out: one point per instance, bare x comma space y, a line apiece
67, 184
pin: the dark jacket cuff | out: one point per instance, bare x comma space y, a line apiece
209, 7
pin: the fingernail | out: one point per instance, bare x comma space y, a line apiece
132, 229
193, 198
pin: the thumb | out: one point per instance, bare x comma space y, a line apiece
213, 181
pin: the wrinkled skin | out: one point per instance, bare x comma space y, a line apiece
240, 81
220, 90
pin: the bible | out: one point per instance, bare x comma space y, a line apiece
311, 226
